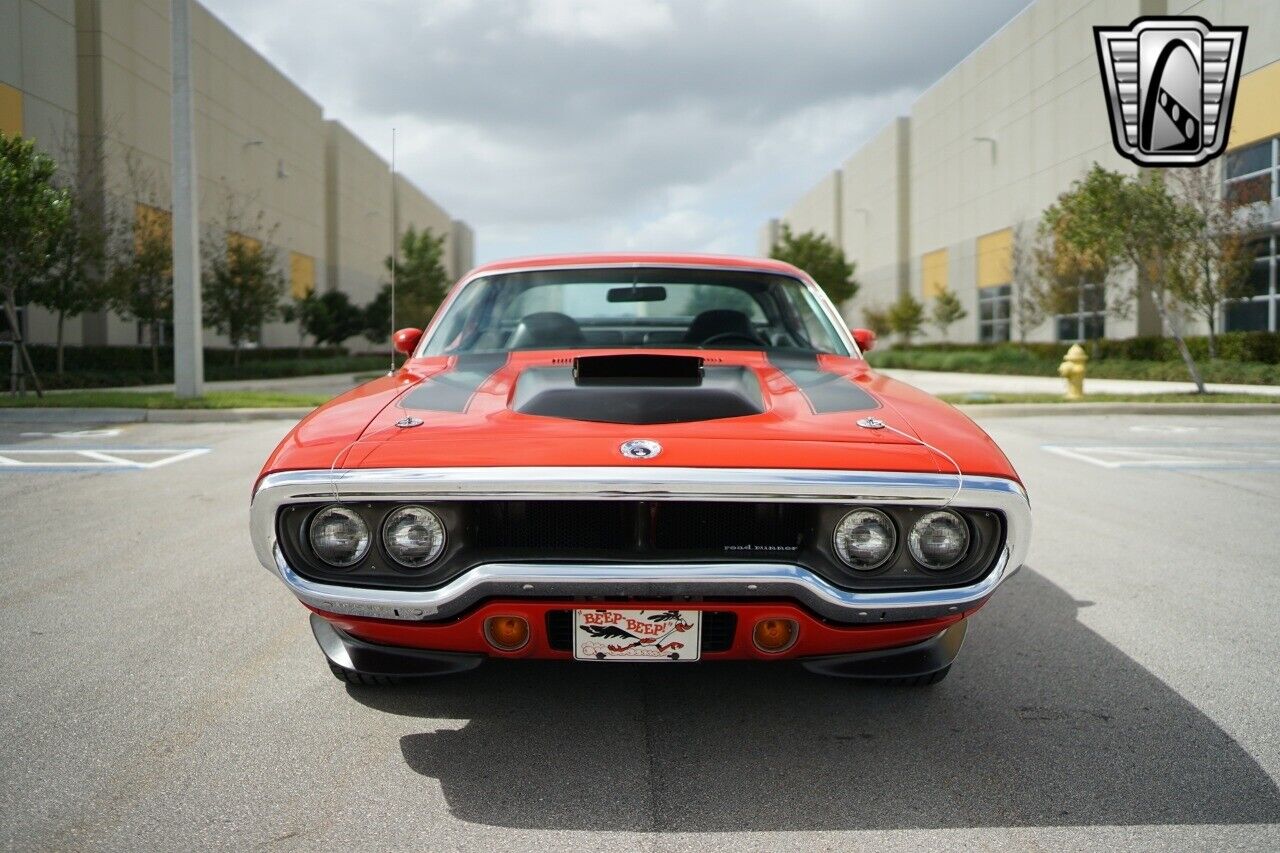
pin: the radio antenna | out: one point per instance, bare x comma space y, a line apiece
395, 247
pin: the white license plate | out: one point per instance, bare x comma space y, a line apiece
657, 635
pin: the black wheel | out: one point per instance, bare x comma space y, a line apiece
350, 676
914, 680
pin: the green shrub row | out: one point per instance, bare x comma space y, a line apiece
1260, 347
1042, 361
274, 367
131, 358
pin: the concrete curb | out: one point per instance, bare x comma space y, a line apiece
153, 416
1024, 410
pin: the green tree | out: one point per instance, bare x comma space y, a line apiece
1218, 255
33, 213
1133, 223
242, 289
1028, 302
822, 259
74, 284
332, 318
375, 318
140, 275
946, 310
296, 311
877, 320
1075, 251
421, 284
906, 317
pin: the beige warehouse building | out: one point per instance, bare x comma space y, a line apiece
89, 80
936, 198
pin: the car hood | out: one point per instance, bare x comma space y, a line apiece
484, 410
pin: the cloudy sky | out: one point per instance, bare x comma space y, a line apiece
566, 125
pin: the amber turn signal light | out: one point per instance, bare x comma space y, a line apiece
775, 635
507, 633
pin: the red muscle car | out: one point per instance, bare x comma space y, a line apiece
662, 458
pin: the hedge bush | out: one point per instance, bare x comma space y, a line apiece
138, 359
109, 367
1135, 358
1260, 347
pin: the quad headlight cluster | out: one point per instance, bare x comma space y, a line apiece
866, 539
412, 536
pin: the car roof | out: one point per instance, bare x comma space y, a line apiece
657, 259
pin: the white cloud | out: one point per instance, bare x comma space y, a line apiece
557, 125
599, 20
681, 230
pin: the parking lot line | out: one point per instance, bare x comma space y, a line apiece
1252, 457
94, 458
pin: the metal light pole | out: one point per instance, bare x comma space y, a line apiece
188, 327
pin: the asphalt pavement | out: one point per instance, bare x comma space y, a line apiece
164, 692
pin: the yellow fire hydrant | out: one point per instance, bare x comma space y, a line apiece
1072, 370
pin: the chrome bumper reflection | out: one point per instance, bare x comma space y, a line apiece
734, 580
717, 580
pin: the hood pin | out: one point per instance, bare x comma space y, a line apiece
871, 423
409, 421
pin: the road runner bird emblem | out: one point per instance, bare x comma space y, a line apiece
1170, 85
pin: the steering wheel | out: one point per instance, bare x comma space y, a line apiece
722, 336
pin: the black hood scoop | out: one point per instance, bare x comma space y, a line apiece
638, 389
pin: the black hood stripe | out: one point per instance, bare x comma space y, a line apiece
826, 393
452, 390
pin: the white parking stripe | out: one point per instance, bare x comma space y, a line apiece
106, 458
1242, 457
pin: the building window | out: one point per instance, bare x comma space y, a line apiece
1089, 322
994, 308
1261, 311
1252, 173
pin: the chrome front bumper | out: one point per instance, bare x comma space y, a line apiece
551, 580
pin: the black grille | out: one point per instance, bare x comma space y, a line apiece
555, 525
718, 627
739, 527
711, 530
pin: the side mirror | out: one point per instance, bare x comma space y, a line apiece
406, 340
865, 339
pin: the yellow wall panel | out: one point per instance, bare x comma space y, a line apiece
933, 273
302, 274
995, 253
10, 110
1257, 113
152, 222
237, 240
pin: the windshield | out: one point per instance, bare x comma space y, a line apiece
634, 307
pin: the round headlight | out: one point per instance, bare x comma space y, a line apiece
339, 536
939, 540
414, 536
865, 539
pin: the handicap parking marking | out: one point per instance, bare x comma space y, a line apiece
94, 458
1240, 457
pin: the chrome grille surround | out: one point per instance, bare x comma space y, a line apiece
713, 579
